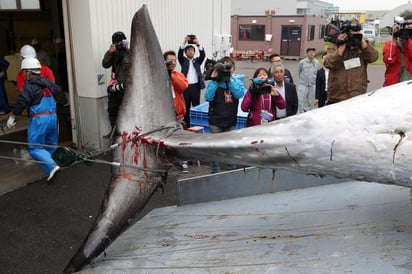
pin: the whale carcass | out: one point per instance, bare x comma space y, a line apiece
366, 138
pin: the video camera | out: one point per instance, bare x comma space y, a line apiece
260, 87
223, 72
403, 31
336, 27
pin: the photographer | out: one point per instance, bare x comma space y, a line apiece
396, 49
347, 60
223, 93
116, 58
261, 99
191, 69
178, 86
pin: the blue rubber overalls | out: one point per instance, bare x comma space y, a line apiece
43, 129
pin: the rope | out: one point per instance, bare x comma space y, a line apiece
28, 144
116, 164
65, 156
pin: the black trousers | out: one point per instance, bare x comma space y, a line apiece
115, 100
192, 99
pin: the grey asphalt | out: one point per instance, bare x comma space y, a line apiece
42, 224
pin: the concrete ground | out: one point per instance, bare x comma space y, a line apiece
42, 224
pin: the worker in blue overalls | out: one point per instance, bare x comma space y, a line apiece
37, 96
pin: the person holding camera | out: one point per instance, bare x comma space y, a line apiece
397, 52
178, 86
116, 57
261, 99
191, 69
347, 59
223, 93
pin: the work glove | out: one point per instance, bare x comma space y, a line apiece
11, 122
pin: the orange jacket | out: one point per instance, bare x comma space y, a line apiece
179, 85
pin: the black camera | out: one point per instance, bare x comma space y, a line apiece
209, 66
336, 27
403, 31
192, 38
123, 44
260, 87
223, 72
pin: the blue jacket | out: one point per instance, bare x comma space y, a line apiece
197, 62
222, 113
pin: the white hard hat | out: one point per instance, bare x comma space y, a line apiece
31, 64
27, 51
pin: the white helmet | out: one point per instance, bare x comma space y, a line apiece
31, 64
27, 51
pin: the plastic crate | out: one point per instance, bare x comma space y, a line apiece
199, 116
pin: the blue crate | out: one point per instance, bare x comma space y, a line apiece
199, 116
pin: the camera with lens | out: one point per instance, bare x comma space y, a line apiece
121, 45
260, 87
336, 27
192, 38
403, 31
223, 72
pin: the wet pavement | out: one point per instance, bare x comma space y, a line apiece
43, 224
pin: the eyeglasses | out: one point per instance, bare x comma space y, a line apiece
276, 61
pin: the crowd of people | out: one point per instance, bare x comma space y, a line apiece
272, 95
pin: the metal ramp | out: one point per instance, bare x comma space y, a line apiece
351, 227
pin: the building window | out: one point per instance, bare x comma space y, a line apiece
12, 5
322, 29
311, 32
252, 32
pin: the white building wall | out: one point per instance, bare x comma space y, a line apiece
89, 27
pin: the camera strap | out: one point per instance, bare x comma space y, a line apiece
228, 94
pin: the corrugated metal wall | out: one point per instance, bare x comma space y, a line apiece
90, 27
171, 19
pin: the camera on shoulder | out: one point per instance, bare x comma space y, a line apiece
337, 27
223, 72
404, 29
